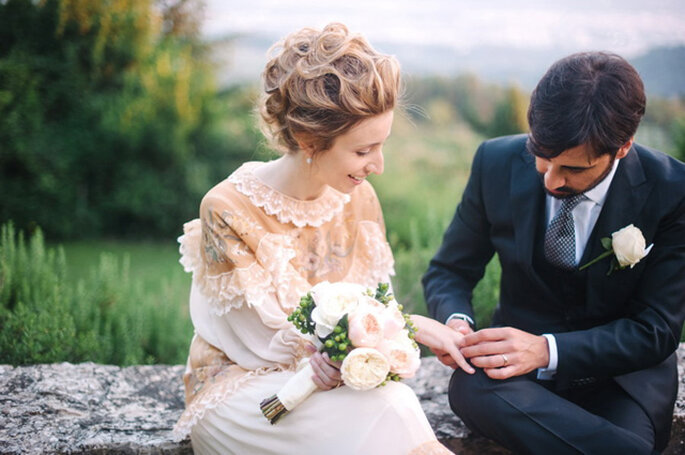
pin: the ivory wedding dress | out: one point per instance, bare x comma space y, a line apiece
253, 253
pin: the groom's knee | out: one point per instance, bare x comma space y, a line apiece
469, 394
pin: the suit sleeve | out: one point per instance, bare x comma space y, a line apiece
465, 251
649, 331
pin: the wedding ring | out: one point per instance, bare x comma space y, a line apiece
506, 361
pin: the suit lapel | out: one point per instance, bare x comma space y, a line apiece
625, 200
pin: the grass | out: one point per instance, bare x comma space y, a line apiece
153, 264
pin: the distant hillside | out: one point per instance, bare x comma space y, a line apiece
243, 57
662, 70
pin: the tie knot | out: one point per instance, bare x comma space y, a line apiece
570, 203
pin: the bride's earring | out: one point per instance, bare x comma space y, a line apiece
309, 160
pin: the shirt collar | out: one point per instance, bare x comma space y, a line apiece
598, 194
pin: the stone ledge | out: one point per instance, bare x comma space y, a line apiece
97, 409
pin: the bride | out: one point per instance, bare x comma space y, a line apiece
271, 231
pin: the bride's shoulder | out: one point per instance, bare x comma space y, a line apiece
228, 193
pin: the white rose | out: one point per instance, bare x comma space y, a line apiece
364, 369
333, 301
629, 246
403, 355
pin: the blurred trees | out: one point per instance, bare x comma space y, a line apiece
110, 120
490, 110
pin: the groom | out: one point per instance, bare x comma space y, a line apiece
577, 360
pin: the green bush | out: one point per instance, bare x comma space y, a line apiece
106, 318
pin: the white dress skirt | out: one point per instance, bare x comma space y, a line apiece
387, 420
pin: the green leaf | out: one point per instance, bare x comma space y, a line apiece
606, 243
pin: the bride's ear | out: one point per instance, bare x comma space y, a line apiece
305, 143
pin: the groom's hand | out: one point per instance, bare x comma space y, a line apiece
505, 352
460, 326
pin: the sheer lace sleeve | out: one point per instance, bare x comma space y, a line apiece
243, 285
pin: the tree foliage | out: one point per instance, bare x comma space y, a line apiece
110, 119
488, 109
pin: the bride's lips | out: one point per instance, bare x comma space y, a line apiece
356, 180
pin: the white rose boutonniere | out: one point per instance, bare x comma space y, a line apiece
628, 247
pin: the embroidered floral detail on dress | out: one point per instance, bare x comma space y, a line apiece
224, 291
285, 208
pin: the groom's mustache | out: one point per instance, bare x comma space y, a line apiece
562, 192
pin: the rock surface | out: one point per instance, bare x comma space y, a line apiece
97, 409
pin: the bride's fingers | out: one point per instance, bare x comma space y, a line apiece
327, 374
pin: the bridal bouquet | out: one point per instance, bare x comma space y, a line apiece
364, 329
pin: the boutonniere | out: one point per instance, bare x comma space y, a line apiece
628, 247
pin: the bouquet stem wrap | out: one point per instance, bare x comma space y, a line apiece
294, 392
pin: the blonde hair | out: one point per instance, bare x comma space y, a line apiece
319, 84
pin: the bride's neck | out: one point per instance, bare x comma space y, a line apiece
291, 176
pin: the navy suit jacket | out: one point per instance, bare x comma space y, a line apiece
629, 323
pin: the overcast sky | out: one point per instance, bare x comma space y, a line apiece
628, 27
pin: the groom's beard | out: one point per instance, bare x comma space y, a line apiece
567, 191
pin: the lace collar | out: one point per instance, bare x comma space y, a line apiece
285, 208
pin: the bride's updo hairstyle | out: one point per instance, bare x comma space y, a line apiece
319, 84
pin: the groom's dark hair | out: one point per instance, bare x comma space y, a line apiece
594, 98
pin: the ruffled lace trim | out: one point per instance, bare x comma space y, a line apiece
224, 291
285, 208
272, 269
210, 399
374, 262
274, 252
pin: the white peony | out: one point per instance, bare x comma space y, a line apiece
333, 301
365, 327
629, 246
393, 319
364, 369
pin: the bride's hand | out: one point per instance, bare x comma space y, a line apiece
326, 372
442, 340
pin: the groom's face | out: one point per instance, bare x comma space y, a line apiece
574, 171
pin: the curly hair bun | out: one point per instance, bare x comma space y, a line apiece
318, 84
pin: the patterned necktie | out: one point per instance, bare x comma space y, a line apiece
560, 238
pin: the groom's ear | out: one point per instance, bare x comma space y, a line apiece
623, 151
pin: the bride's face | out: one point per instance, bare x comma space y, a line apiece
354, 155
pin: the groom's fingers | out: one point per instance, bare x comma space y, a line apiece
494, 361
483, 335
485, 349
502, 373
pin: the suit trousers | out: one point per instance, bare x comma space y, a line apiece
528, 417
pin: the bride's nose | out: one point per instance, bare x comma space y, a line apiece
375, 166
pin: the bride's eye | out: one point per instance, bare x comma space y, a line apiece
362, 152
